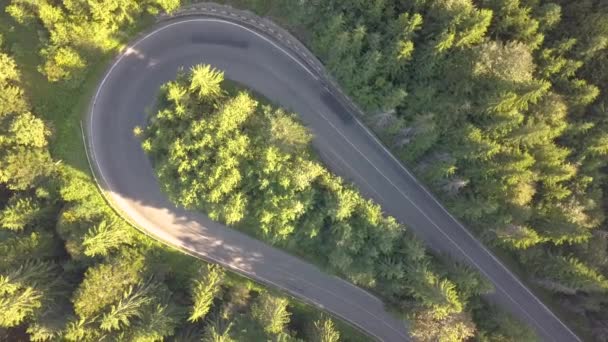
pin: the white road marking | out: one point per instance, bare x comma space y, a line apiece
331, 150
345, 300
179, 245
479, 244
94, 159
433, 223
295, 59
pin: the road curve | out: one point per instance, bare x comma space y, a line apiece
260, 62
125, 174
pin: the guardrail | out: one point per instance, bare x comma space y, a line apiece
272, 30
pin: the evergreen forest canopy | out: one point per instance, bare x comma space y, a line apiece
499, 105
218, 150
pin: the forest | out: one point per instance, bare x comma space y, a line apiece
497, 105
225, 152
72, 270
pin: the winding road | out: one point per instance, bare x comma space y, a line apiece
272, 68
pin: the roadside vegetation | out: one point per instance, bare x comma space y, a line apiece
71, 269
216, 149
498, 105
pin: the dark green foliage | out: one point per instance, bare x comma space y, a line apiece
505, 118
499, 105
251, 166
495, 325
271, 312
217, 331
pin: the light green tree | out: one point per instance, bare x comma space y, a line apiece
206, 81
204, 290
455, 327
271, 312
324, 330
24, 291
121, 314
105, 237
19, 213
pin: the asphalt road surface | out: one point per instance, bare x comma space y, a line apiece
128, 92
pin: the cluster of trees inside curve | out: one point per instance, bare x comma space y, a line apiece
218, 150
500, 107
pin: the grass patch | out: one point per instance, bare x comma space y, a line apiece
61, 106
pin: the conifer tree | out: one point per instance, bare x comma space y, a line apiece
204, 290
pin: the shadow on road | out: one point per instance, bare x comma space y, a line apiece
222, 40
336, 106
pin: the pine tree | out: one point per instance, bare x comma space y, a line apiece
204, 290
271, 313
206, 81
217, 330
565, 273
106, 236
23, 292
325, 331
19, 213
129, 307
106, 284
